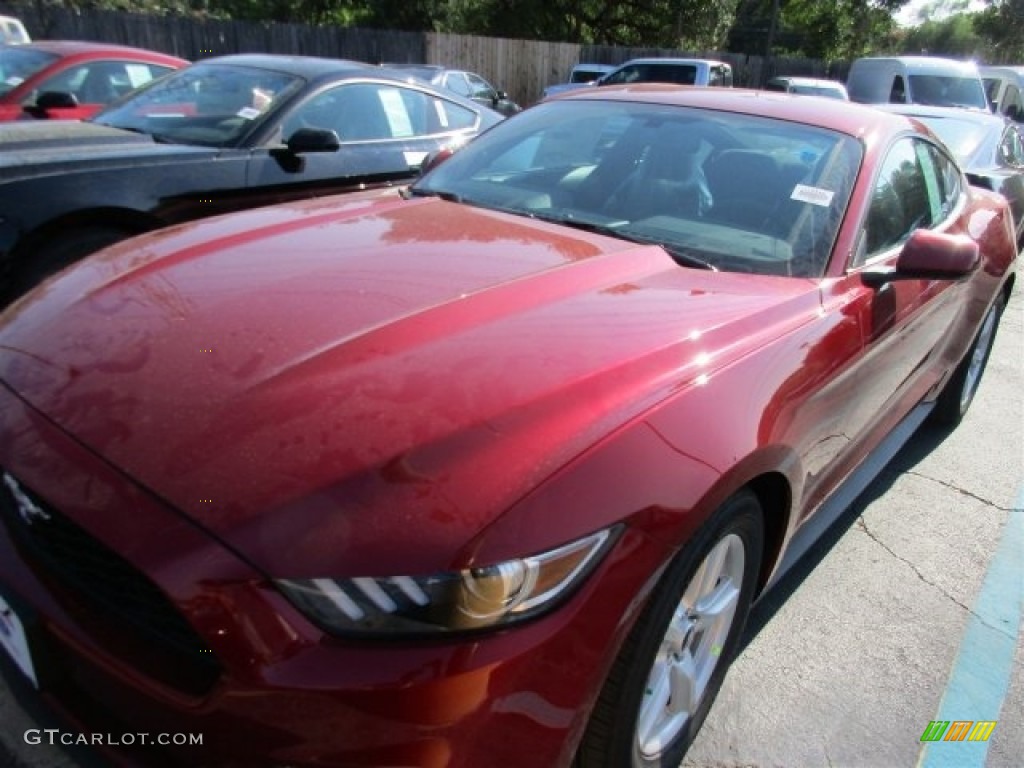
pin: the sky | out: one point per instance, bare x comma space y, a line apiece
910, 14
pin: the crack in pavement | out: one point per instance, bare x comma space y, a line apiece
963, 491
863, 526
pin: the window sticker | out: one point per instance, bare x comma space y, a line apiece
249, 113
442, 113
812, 195
138, 74
398, 116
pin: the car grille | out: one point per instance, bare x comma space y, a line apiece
114, 601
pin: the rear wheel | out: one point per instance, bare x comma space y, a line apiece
670, 668
957, 395
57, 252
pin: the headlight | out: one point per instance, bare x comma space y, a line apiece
455, 601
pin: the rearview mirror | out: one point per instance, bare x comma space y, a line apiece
929, 255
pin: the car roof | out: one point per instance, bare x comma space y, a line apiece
1001, 70
670, 60
307, 67
924, 63
833, 114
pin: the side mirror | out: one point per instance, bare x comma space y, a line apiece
929, 255
307, 140
48, 100
56, 100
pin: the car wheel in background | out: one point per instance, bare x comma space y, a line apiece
671, 666
956, 396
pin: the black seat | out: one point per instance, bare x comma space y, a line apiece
668, 179
747, 188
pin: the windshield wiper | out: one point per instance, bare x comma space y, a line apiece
687, 258
451, 197
681, 255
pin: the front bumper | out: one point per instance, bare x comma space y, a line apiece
227, 657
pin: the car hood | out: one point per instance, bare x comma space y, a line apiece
326, 384
32, 148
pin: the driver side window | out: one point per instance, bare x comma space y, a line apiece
377, 112
900, 201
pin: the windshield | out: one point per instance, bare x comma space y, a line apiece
945, 91
583, 75
683, 74
727, 191
827, 91
19, 64
207, 104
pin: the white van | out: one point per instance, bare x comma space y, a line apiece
13, 31
916, 80
1005, 89
703, 72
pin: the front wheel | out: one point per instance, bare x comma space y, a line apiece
671, 666
959, 391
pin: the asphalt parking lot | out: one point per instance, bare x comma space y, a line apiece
907, 612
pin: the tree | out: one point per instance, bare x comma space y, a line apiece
1002, 23
691, 24
843, 29
953, 36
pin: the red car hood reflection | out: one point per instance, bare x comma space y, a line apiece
336, 386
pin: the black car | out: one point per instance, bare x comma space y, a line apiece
223, 134
989, 148
467, 84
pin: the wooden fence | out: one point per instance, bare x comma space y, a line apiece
521, 67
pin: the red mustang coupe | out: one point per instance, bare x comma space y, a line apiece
487, 473
77, 78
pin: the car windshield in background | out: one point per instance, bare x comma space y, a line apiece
19, 64
944, 91
727, 191
818, 90
211, 105
683, 74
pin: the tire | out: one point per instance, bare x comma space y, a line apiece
958, 393
670, 668
57, 252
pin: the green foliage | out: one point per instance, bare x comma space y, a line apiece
647, 23
814, 29
954, 36
818, 29
1002, 24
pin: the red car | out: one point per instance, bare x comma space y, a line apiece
77, 78
487, 473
